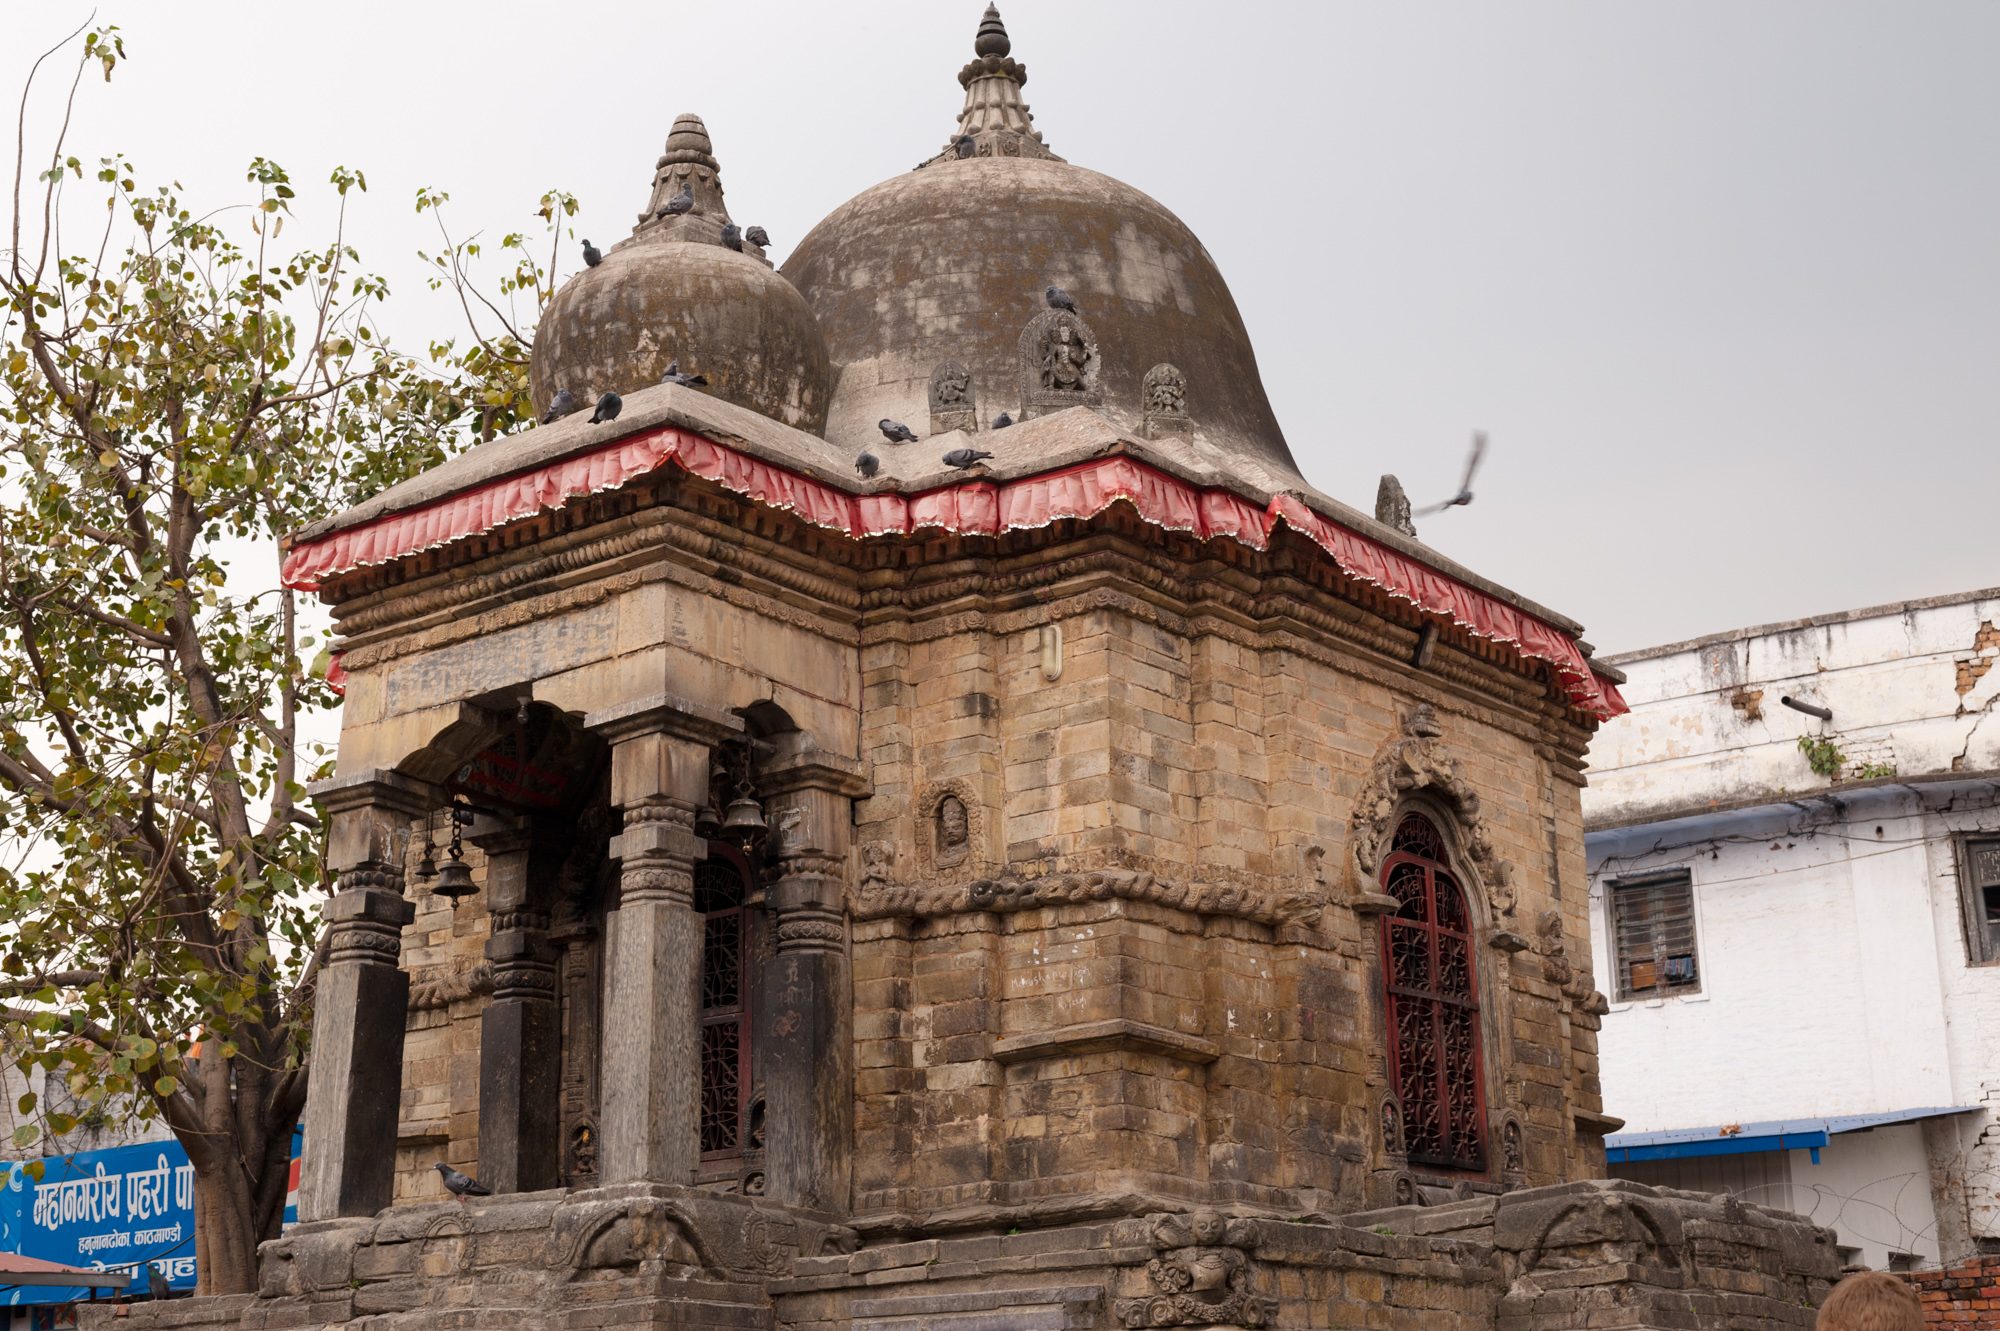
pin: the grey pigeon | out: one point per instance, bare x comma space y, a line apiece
460, 1185
964, 457
674, 376
758, 236
608, 408
967, 145
896, 432
562, 404
680, 203
1464, 495
592, 256
156, 1284
732, 237
1002, 421
867, 464
1058, 299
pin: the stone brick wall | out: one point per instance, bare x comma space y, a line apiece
1965, 1296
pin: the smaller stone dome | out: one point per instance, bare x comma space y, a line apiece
674, 292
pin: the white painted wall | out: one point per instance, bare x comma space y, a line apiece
1835, 974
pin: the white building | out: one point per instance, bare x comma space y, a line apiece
1796, 919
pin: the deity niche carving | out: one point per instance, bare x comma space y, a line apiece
1200, 1275
1392, 1127
1512, 1156
1164, 395
953, 403
954, 831
1060, 363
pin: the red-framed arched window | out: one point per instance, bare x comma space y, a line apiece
1432, 1002
721, 898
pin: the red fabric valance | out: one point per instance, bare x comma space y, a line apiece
971, 507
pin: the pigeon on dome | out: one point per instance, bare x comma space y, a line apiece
562, 404
896, 432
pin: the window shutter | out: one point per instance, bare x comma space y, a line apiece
1652, 922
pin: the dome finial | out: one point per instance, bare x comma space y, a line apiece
687, 202
995, 121
992, 38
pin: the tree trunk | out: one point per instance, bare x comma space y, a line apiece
225, 1231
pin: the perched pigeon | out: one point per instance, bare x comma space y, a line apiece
674, 376
896, 432
680, 203
608, 408
1002, 421
867, 464
758, 236
1058, 299
1464, 495
156, 1284
460, 1185
967, 145
964, 457
562, 404
732, 237
592, 256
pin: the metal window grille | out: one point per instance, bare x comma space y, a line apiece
720, 893
1979, 896
1432, 1003
1652, 935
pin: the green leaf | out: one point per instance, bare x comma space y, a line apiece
166, 1086
26, 1135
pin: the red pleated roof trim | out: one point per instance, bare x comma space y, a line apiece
971, 507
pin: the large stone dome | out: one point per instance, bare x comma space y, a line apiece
674, 291
946, 266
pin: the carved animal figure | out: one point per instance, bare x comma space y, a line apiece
868, 464
680, 203
674, 376
1058, 299
592, 256
608, 408
460, 1185
896, 432
562, 404
965, 457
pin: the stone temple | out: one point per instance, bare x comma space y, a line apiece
1111, 884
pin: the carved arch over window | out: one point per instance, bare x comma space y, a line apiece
1431, 1002
1418, 761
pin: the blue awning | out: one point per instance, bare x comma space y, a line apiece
1794, 1134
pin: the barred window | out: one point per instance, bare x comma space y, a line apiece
1979, 897
721, 889
1432, 1003
1652, 935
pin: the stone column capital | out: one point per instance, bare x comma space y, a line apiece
375, 788
798, 764
668, 714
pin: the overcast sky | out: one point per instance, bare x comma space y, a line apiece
1722, 280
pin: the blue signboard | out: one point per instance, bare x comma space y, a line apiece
108, 1210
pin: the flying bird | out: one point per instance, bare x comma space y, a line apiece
156, 1284
867, 464
592, 256
1059, 299
896, 432
460, 1185
562, 404
680, 203
732, 237
964, 457
1464, 495
608, 408
967, 145
674, 376
758, 236
1002, 421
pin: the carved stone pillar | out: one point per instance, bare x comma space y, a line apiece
805, 1026
362, 998
651, 1089
519, 1033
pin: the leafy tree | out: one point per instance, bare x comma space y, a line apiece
174, 396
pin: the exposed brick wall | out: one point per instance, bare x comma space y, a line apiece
1966, 1297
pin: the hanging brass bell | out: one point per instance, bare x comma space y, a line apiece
707, 823
744, 821
454, 882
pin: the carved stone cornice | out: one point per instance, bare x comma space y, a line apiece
1267, 903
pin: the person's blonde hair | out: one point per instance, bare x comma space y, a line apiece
1871, 1301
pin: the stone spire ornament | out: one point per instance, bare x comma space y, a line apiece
1392, 507
995, 119
688, 166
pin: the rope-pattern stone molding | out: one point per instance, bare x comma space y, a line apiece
879, 897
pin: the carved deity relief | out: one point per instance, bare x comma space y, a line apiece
949, 823
1392, 507
953, 403
1164, 396
1513, 1158
953, 831
1059, 363
1419, 761
1201, 1275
